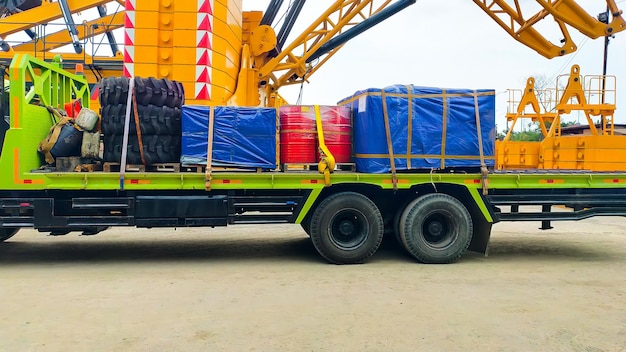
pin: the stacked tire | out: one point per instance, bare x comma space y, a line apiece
159, 103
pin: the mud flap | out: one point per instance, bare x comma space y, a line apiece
481, 236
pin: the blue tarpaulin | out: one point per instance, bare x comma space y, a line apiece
426, 128
242, 136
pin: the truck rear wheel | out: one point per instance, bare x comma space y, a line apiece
436, 229
347, 228
6, 233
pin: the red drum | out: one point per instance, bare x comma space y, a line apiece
297, 135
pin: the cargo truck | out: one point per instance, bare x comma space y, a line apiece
436, 214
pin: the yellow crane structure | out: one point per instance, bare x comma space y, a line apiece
226, 56
600, 149
528, 104
524, 28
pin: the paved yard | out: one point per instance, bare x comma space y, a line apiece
265, 288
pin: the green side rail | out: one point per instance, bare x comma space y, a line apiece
34, 84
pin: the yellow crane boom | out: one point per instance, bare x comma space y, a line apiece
249, 62
508, 14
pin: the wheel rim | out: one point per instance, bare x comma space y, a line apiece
348, 229
439, 231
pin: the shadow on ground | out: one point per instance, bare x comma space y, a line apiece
281, 249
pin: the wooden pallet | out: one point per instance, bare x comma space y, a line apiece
77, 164
88, 168
162, 167
350, 167
202, 169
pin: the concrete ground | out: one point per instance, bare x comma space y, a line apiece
264, 288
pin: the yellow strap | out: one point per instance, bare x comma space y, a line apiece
327, 162
444, 131
392, 160
209, 155
483, 166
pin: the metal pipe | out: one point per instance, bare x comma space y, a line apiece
604, 65
71, 26
290, 20
546, 224
360, 28
31, 33
102, 10
271, 12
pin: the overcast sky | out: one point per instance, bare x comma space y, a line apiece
449, 44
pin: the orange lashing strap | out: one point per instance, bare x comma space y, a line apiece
138, 128
483, 167
209, 152
394, 178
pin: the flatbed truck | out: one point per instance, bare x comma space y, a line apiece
436, 215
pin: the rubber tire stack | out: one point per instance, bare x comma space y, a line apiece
159, 104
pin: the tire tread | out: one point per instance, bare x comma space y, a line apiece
334, 255
411, 244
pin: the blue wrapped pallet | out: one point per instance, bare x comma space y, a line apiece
242, 137
422, 128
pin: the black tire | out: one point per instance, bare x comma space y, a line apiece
436, 229
148, 91
152, 120
113, 91
347, 228
175, 93
157, 149
159, 92
181, 92
7, 232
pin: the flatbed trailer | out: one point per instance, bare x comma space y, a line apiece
436, 215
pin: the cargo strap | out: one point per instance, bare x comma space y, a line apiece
138, 128
129, 102
392, 161
59, 120
484, 173
327, 161
209, 152
56, 114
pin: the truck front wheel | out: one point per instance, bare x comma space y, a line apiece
6, 233
436, 229
347, 228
